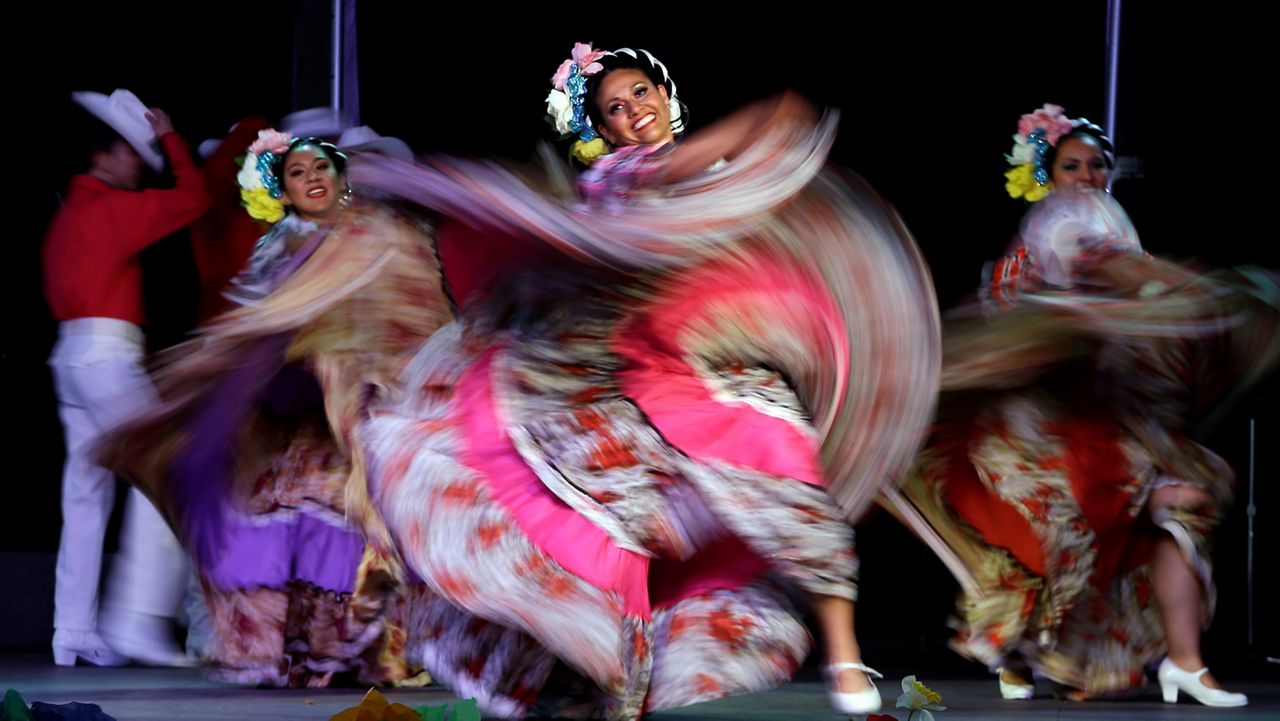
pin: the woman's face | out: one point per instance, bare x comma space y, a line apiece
1080, 165
310, 183
635, 112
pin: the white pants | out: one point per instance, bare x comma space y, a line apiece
99, 379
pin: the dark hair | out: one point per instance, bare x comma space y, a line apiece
91, 136
1086, 129
630, 60
335, 156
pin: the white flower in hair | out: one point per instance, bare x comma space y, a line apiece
249, 177
561, 110
1023, 152
566, 109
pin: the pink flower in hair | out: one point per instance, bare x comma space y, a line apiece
562, 75
1050, 118
271, 140
585, 58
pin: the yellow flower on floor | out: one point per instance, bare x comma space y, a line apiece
375, 707
918, 697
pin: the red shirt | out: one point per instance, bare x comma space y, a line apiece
91, 267
223, 238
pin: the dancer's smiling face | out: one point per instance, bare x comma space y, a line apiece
634, 110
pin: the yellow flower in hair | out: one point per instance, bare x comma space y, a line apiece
586, 153
1037, 193
1020, 182
261, 205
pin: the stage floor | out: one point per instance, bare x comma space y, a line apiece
146, 694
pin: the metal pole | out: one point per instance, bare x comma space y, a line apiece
1251, 511
335, 62
1113, 64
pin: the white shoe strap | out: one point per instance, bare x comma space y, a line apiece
851, 665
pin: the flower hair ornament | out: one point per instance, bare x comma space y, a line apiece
259, 186
260, 189
1037, 133
566, 104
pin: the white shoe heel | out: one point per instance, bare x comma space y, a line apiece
1169, 691
64, 656
1173, 679
1014, 691
68, 646
858, 702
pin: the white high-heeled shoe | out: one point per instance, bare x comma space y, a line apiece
1173, 679
858, 702
86, 645
1014, 691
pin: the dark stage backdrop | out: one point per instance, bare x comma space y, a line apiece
929, 98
